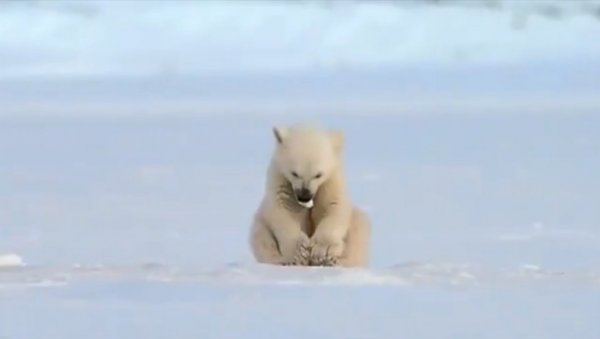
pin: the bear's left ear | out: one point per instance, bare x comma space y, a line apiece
337, 137
280, 133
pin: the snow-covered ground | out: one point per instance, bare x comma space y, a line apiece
134, 141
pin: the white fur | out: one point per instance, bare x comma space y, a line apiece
326, 230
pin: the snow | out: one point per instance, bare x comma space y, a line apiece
138, 228
108, 37
10, 260
133, 158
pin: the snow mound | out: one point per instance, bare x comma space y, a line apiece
10, 260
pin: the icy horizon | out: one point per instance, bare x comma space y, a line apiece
105, 38
411, 58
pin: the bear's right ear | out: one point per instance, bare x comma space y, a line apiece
280, 133
338, 140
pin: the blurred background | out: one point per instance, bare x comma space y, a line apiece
139, 131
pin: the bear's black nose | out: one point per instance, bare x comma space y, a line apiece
304, 195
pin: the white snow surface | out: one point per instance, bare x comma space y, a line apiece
10, 260
134, 141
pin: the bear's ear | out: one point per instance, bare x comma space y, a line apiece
337, 138
280, 133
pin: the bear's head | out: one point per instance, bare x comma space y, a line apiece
307, 157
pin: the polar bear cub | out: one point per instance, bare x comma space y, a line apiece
306, 216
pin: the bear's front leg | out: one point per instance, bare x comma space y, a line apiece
295, 250
327, 243
300, 256
324, 251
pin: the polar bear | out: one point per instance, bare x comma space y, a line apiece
306, 216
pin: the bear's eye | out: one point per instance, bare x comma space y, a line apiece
318, 175
294, 174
